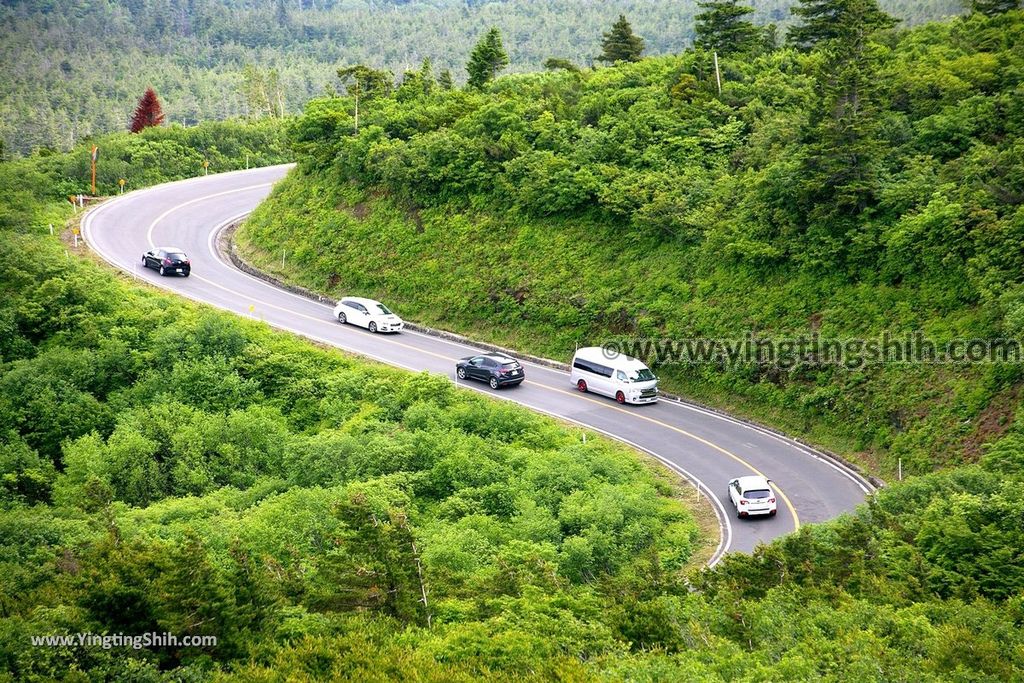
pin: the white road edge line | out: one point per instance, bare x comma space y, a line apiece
725, 538
846, 472
725, 527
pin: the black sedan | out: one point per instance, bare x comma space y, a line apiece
167, 260
494, 368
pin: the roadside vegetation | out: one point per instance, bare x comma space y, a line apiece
847, 188
35, 190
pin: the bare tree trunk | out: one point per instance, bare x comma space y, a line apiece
423, 585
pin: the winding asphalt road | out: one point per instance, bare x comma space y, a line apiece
705, 447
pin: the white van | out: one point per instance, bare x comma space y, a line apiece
613, 374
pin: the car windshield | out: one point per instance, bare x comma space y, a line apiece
383, 309
177, 256
510, 364
642, 375
757, 494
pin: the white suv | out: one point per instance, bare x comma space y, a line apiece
752, 496
373, 315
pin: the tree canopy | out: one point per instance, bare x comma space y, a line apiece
224, 59
993, 7
330, 518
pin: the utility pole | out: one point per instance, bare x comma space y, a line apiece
95, 156
718, 75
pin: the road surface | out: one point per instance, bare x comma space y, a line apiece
707, 448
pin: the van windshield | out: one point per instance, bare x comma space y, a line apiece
643, 375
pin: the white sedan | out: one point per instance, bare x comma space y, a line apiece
373, 315
752, 496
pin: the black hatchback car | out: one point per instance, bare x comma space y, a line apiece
167, 260
494, 368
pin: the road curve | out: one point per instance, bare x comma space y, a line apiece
705, 447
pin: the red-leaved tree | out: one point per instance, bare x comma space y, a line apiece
148, 113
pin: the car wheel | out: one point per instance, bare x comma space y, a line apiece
342, 318
461, 372
372, 327
772, 513
186, 273
493, 382
145, 263
581, 386
162, 271
620, 397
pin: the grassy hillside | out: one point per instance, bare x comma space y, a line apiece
637, 202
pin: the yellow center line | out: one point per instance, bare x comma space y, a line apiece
633, 413
578, 395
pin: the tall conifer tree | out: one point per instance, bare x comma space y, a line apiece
722, 27
487, 59
844, 142
148, 112
621, 44
823, 20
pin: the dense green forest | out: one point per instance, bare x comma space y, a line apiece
74, 70
168, 468
860, 187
